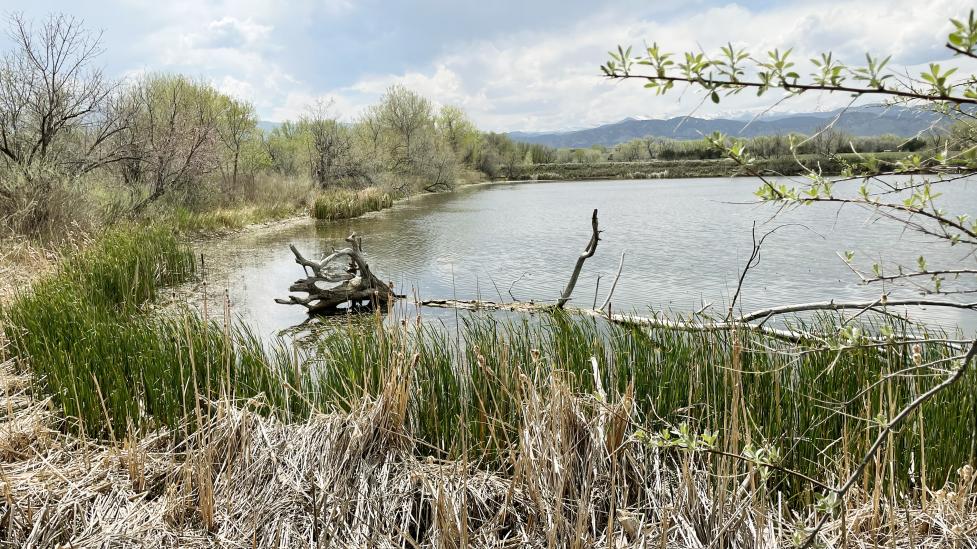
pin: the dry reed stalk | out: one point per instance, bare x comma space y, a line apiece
354, 480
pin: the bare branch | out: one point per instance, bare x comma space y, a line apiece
584, 256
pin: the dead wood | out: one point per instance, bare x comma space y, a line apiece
328, 290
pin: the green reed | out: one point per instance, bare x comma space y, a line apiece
336, 204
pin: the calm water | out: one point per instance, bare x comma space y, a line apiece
685, 241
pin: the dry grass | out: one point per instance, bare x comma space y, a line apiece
579, 478
22, 261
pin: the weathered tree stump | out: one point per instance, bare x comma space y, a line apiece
328, 289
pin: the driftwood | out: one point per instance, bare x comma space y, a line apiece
694, 323
699, 325
327, 290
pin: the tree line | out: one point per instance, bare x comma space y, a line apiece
69, 136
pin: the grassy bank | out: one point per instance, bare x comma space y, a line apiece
86, 335
220, 220
581, 475
89, 334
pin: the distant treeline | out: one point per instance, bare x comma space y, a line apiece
708, 167
825, 143
829, 151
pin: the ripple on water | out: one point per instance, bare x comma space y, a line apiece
686, 241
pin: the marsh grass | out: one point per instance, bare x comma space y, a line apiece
809, 404
93, 342
335, 204
579, 476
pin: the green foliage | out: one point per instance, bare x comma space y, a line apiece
732, 71
175, 146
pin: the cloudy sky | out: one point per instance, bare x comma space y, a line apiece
512, 65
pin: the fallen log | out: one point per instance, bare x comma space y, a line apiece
329, 290
694, 324
617, 318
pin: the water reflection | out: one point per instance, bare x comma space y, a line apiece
686, 241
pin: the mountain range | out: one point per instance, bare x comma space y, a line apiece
863, 121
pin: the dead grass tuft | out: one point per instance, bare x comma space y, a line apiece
579, 477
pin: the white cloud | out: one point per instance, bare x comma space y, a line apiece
344, 106
272, 54
541, 81
229, 32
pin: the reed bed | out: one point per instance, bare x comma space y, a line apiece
581, 477
335, 204
808, 404
172, 429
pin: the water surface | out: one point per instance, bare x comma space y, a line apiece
686, 241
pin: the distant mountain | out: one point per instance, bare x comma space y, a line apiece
267, 126
865, 121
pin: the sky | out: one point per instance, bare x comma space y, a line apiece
511, 65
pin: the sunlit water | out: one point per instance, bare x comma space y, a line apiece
686, 242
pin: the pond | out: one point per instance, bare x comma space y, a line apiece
685, 242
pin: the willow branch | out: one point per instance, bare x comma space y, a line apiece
793, 87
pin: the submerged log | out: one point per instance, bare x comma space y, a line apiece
328, 289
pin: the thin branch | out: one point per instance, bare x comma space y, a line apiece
794, 87
617, 277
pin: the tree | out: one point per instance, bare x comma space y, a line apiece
59, 115
237, 123
174, 135
284, 146
910, 202
540, 154
437, 165
630, 151
330, 147
370, 127
459, 132
406, 114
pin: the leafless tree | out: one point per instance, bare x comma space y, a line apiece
174, 135
47, 89
59, 115
331, 146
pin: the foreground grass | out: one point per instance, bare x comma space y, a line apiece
336, 204
581, 477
